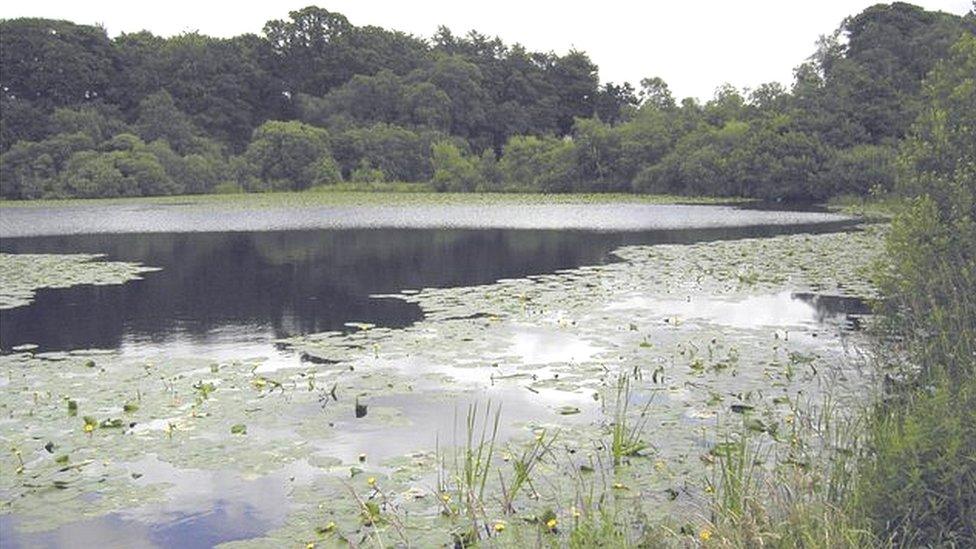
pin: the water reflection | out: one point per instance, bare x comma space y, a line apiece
238, 288
781, 310
203, 509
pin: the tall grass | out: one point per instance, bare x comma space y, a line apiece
626, 436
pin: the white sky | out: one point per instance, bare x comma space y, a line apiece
694, 45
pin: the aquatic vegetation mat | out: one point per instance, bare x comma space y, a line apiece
21, 275
536, 404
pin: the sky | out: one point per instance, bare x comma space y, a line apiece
694, 45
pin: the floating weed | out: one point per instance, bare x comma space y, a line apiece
21, 275
204, 389
20, 460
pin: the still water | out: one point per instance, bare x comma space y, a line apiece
231, 294
217, 289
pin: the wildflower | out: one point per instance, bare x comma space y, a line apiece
499, 526
446, 498
575, 512
89, 428
705, 535
371, 481
310, 545
551, 524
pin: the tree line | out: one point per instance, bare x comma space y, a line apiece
314, 100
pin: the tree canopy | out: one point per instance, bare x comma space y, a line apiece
314, 99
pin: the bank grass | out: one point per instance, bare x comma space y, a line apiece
877, 207
795, 496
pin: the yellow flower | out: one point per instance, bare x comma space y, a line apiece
499, 526
310, 545
575, 512
551, 524
445, 498
705, 535
371, 481
89, 427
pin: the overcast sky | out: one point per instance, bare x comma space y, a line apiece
694, 45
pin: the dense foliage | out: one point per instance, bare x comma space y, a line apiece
315, 99
919, 487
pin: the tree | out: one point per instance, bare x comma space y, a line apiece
534, 163
574, 78
159, 118
402, 154
54, 63
655, 93
311, 50
597, 149
30, 169
287, 155
615, 103
91, 174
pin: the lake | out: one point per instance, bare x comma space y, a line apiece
346, 339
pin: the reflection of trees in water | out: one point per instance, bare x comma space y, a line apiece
295, 281
829, 307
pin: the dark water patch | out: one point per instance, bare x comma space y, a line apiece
229, 287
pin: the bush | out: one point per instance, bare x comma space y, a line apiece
538, 163
452, 170
918, 487
91, 174
30, 170
366, 173
287, 155
859, 170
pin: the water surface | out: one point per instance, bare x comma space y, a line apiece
229, 294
